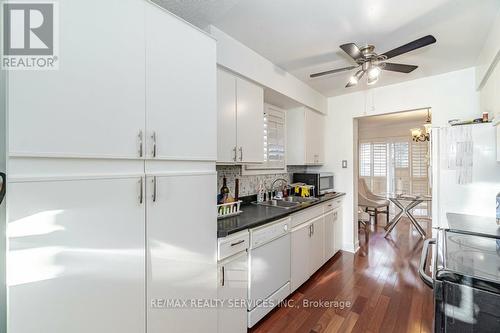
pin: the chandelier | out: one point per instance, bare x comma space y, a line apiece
420, 134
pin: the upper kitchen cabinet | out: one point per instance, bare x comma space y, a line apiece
180, 89
93, 104
305, 137
240, 120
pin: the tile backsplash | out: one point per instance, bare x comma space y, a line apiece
249, 183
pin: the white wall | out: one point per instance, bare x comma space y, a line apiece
239, 58
392, 131
450, 95
490, 54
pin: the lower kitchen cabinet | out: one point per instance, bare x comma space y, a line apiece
181, 251
333, 232
317, 244
307, 250
232, 291
315, 239
300, 255
76, 256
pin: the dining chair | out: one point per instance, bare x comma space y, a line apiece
374, 204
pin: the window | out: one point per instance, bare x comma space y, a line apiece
379, 159
419, 159
365, 159
401, 155
274, 142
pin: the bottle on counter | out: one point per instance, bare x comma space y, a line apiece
224, 191
236, 189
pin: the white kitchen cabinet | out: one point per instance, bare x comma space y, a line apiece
329, 235
240, 113
338, 230
333, 233
307, 250
181, 250
93, 105
305, 137
180, 89
300, 257
249, 121
232, 290
226, 117
76, 256
317, 244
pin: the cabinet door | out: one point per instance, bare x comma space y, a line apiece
314, 137
233, 287
181, 251
250, 122
329, 235
181, 115
226, 117
93, 105
317, 244
76, 256
300, 255
337, 214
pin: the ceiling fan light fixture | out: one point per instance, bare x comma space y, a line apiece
355, 78
372, 80
374, 72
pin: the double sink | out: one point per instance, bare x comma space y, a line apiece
286, 203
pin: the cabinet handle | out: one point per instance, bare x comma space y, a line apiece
140, 144
223, 276
241, 154
154, 143
310, 230
154, 189
238, 242
141, 191
235, 158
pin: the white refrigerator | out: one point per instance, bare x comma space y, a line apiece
471, 190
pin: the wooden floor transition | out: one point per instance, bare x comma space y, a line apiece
381, 281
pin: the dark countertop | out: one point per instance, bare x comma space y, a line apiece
470, 224
256, 215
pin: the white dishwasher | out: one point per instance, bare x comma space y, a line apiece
269, 268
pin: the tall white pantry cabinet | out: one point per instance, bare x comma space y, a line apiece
106, 158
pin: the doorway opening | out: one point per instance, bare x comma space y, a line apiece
393, 160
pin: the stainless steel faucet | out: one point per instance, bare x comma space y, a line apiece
279, 195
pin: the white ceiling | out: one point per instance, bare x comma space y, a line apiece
302, 36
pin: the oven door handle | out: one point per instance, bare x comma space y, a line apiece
3, 186
428, 280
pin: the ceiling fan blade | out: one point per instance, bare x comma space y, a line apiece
352, 50
332, 71
416, 44
402, 68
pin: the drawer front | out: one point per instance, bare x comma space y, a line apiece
233, 244
306, 215
332, 204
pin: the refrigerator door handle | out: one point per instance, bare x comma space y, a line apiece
423, 259
3, 186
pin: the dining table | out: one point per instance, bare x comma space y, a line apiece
406, 202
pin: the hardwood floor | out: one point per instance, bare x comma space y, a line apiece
381, 281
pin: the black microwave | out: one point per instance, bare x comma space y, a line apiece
322, 181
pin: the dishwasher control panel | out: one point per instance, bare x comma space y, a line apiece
267, 233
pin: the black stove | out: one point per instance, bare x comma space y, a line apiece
465, 277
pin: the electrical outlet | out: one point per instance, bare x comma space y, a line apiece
344, 164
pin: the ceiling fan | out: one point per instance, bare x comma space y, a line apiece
373, 63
